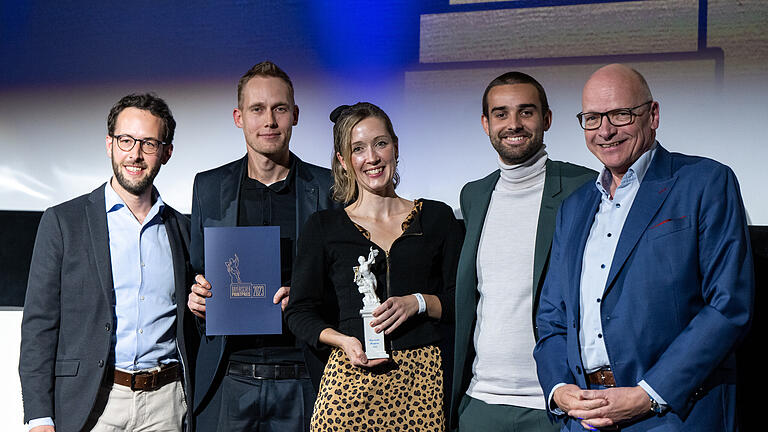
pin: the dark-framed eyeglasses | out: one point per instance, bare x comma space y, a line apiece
148, 145
617, 117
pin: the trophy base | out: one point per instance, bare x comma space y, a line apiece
374, 342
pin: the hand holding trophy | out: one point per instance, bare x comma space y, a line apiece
366, 285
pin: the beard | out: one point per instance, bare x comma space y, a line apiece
139, 186
519, 154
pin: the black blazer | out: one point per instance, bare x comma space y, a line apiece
215, 203
68, 317
423, 259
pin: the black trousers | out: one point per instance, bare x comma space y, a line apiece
258, 405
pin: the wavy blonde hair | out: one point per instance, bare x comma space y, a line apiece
344, 181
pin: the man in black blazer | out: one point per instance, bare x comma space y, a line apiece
257, 382
101, 335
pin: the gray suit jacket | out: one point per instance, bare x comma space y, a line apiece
561, 180
69, 313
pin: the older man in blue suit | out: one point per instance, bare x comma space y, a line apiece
650, 284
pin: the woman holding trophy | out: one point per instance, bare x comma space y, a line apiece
372, 281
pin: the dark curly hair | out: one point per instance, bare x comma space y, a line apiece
516, 78
148, 102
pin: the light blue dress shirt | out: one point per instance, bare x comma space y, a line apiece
142, 274
598, 256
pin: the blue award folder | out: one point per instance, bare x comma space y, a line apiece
243, 266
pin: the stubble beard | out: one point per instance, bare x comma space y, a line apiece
138, 187
511, 156
266, 149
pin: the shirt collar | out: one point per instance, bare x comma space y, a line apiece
114, 202
635, 172
277, 186
286, 183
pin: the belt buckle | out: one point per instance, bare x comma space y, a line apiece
603, 377
147, 386
254, 371
133, 381
155, 378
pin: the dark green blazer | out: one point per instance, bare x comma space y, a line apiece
561, 180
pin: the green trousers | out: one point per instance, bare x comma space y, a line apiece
478, 416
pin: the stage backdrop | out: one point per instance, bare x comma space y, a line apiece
425, 62
63, 65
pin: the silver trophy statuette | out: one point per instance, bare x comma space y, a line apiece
366, 285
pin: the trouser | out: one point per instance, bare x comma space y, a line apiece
120, 409
477, 415
258, 405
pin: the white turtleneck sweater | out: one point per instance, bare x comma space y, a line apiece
504, 372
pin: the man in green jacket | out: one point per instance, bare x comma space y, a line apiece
510, 218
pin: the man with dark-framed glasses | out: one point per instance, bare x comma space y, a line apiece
618, 117
650, 283
102, 343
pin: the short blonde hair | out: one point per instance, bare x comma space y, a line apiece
345, 118
263, 69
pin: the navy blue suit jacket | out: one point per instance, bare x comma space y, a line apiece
215, 203
678, 296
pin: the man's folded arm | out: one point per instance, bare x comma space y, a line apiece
551, 321
40, 321
727, 286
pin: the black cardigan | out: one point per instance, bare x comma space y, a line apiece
422, 260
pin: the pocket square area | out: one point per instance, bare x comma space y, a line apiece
669, 225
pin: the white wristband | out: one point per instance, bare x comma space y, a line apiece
422, 303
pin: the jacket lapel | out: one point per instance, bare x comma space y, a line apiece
582, 225
230, 192
307, 195
654, 189
480, 202
177, 253
546, 225
96, 216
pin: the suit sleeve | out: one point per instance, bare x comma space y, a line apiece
309, 283
196, 249
464, 204
40, 322
550, 352
727, 289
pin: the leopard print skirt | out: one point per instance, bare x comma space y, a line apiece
405, 394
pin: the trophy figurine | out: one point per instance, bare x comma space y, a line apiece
366, 285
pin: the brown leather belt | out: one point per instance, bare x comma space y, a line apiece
149, 380
601, 377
